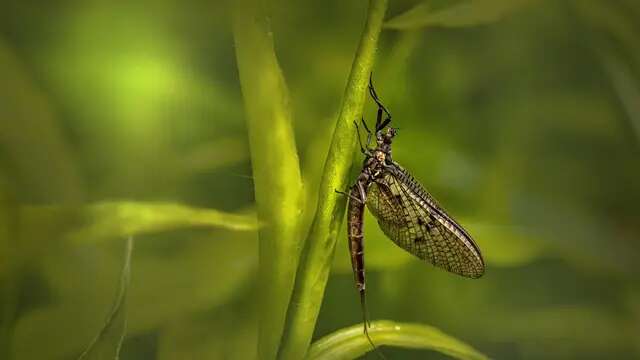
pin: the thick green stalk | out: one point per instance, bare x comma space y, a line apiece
320, 245
276, 169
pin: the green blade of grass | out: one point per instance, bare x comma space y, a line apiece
108, 342
466, 13
112, 219
27, 121
350, 343
317, 258
205, 270
276, 169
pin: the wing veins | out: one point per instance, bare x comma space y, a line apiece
446, 244
433, 205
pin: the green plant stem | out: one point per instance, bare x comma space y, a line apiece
320, 245
113, 219
108, 342
276, 169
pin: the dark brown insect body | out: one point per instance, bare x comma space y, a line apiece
405, 211
373, 167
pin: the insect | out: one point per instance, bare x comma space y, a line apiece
405, 211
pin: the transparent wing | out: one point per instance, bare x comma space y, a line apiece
410, 216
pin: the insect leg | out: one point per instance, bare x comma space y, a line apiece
354, 198
362, 149
362, 192
369, 134
379, 119
385, 123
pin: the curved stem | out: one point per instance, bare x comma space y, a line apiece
276, 169
315, 266
350, 343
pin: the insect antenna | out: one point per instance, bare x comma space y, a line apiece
374, 96
367, 324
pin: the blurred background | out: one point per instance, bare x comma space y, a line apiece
128, 117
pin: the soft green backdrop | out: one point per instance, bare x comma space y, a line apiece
129, 118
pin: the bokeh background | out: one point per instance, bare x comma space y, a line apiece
117, 114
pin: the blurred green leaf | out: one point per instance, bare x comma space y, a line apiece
554, 328
214, 154
394, 69
31, 138
225, 333
461, 14
276, 169
627, 90
108, 342
315, 266
121, 218
350, 343
100, 221
506, 245
613, 19
200, 273
10, 266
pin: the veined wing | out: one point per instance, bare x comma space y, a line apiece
410, 216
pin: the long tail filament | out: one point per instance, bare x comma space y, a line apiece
367, 324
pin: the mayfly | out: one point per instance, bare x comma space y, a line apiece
405, 211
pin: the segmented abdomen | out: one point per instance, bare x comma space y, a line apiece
355, 217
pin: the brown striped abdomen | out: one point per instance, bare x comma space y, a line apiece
355, 217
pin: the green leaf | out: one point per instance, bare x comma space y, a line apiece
275, 167
114, 219
10, 266
108, 342
28, 121
215, 154
350, 343
507, 245
626, 88
315, 266
465, 13
199, 273
226, 333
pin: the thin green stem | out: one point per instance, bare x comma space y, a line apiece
320, 245
276, 169
108, 342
